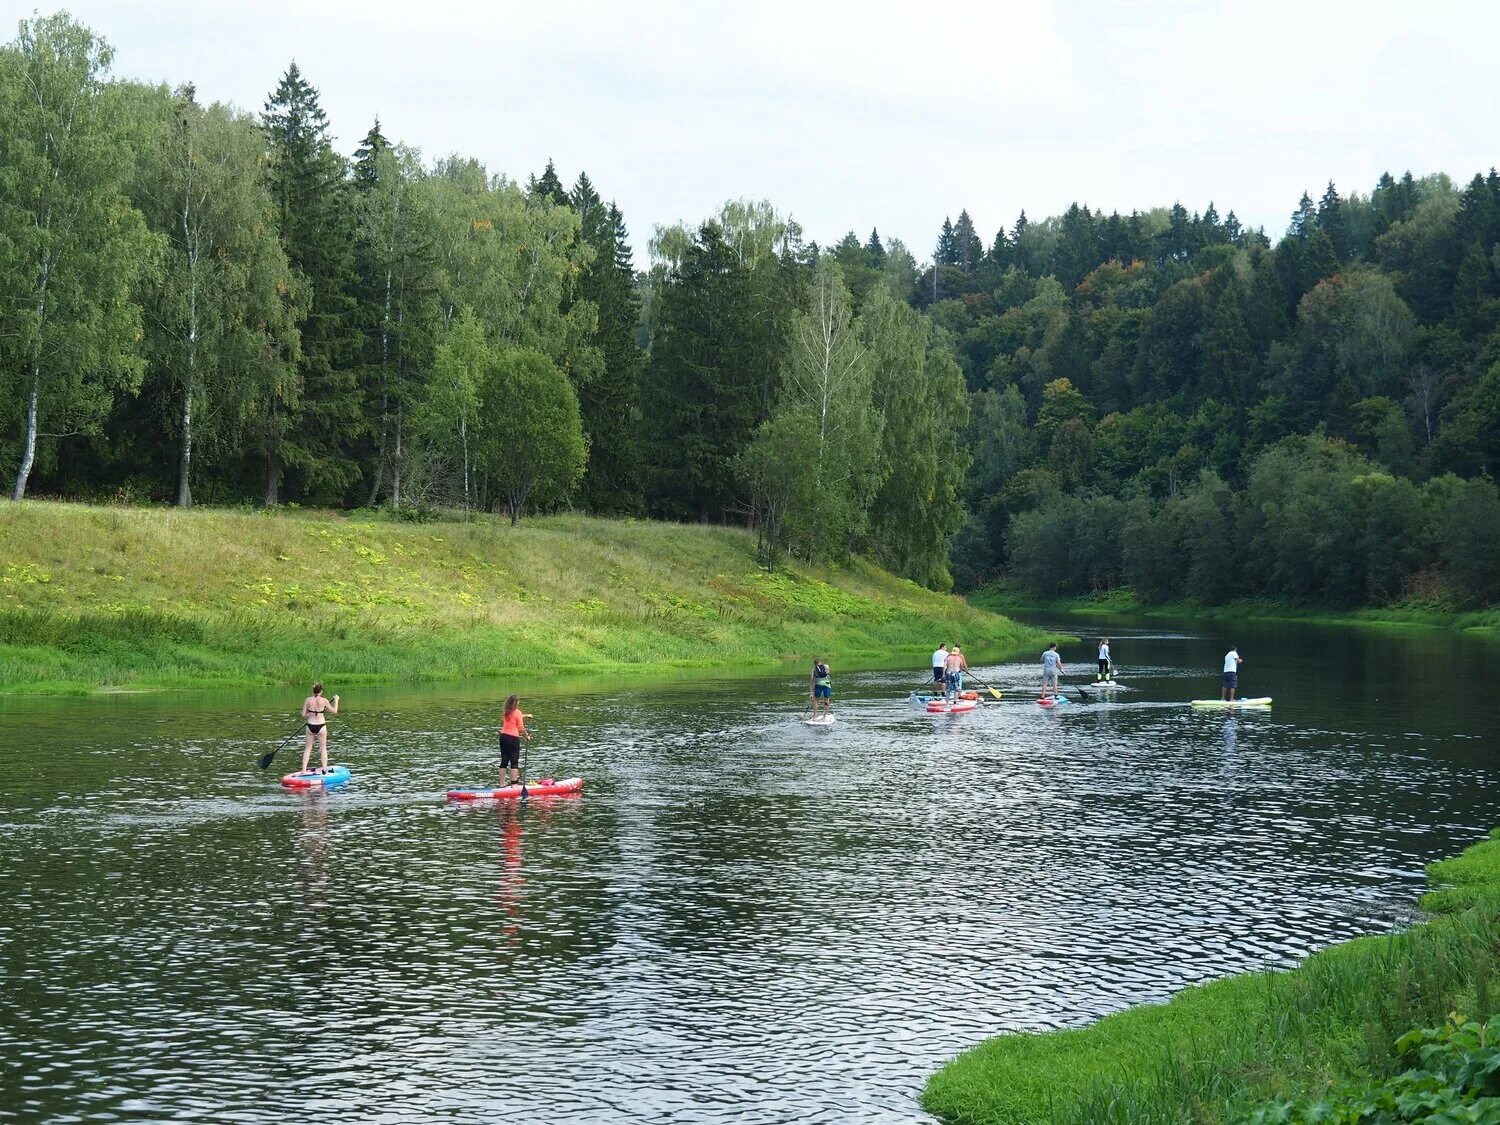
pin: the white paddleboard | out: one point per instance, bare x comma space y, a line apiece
1261, 701
820, 721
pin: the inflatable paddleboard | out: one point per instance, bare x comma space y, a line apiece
1051, 701
820, 721
1103, 684
1262, 701
938, 707
923, 700
315, 779
542, 787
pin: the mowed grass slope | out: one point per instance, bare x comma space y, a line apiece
96, 597
1216, 1052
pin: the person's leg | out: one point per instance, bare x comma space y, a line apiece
323, 746
307, 751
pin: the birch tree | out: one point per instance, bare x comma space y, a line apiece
222, 305
73, 245
919, 392
448, 413
400, 299
825, 423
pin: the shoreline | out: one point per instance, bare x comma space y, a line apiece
106, 601
1124, 603
1219, 1051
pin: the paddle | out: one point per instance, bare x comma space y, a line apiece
265, 759
984, 685
1078, 688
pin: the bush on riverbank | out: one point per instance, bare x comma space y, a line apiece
93, 596
1215, 1052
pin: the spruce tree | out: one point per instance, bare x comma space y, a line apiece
548, 186
610, 402
309, 438
875, 249
1333, 221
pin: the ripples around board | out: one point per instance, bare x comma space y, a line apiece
741, 919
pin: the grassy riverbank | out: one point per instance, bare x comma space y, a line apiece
107, 597
1002, 598
1216, 1051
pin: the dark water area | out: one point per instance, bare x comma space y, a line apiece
740, 918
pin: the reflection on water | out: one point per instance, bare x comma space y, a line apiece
739, 918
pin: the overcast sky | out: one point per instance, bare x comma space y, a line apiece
872, 114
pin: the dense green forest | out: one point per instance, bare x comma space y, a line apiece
206, 305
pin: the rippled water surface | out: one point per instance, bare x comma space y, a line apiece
740, 918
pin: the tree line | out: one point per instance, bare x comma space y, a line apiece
202, 304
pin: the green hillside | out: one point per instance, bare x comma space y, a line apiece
108, 597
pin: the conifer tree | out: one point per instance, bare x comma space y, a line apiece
310, 436
610, 402
1333, 221
548, 186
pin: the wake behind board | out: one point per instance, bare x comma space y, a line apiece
820, 721
332, 778
543, 787
1262, 701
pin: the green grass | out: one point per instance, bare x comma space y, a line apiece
1216, 1051
1003, 598
104, 597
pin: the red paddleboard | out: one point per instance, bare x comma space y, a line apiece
543, 787
937, 707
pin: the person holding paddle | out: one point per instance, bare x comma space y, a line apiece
820, 688
1106, 668
315, 712
1232, 662
1051, 668
954, 673
512, 727
940, 666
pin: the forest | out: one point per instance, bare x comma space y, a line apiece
204, 305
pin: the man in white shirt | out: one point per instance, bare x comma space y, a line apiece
939, 665
1232, 664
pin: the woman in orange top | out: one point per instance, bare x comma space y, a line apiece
511, 730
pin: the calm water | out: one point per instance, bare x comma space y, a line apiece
740, 919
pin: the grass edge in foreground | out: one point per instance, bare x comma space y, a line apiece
1216, 1051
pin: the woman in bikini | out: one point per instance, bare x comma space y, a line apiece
315, 710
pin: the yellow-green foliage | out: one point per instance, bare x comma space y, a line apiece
1215, 1052
95, 596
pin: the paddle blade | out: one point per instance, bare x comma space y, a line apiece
995, 693
265, 759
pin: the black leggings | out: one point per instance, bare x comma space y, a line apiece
510, 751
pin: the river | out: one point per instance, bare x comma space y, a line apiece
741, 918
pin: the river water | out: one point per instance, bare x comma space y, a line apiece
741, 918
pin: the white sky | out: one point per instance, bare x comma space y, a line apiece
870, 113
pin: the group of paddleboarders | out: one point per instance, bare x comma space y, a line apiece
948, 668
316, 709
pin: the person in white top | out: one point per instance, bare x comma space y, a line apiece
1106, 672
1232, 664
939, 664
